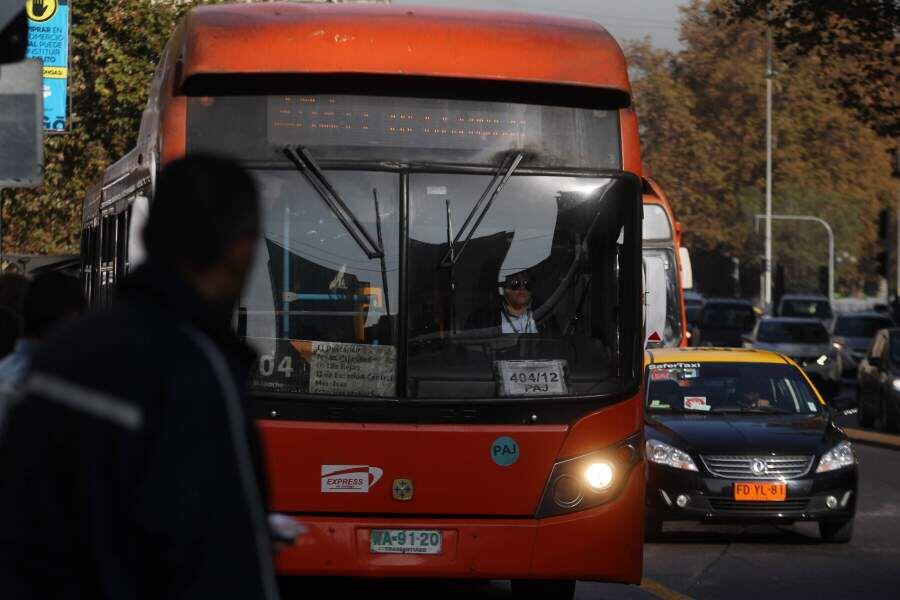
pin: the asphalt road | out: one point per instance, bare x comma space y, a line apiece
732, 562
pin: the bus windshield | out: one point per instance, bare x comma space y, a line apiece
476, 287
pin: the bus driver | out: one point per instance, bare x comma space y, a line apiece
513, 313
516, 315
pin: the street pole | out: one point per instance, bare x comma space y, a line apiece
828, 229
896, 174
767, 299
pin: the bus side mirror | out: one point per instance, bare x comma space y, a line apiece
654, 272
687, 271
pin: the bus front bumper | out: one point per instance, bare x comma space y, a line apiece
602, 544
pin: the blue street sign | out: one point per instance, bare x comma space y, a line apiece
48, 40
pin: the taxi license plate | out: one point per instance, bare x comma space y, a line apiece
405, 541
765, 491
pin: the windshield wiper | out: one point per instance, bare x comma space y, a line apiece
306, 164
453, 255
384, 277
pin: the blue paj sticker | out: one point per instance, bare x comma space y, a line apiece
504, 451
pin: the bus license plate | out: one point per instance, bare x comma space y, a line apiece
405, 541
760, 491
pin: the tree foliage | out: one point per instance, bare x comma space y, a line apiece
702, 115
855, 41
114, 47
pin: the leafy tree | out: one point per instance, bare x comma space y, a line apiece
855, 41
114, 47
702, 114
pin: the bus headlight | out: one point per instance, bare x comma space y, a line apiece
599, 475
590, 480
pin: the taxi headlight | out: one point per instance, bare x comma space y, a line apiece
599, 475
837, 458
895, 383
664, 454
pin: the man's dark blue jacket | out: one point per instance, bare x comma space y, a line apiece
131, 467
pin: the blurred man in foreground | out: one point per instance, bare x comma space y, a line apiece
132, 468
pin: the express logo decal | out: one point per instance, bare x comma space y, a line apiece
349, 478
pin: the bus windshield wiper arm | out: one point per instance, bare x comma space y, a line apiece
452, 256
306, 164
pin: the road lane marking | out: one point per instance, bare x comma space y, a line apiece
873, 437
658, 590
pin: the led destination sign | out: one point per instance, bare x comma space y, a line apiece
419, 123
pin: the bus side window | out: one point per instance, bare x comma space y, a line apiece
94, 259
122, 243
85, 262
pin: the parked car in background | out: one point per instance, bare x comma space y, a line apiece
807, 342
693, 302
878, 382
741, 436
723, 322
853, 332
806, 306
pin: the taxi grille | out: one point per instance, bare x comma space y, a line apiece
741, 467
789, 505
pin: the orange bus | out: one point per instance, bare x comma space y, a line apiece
667, 271
446, 300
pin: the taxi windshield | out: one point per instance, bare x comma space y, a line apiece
729, 388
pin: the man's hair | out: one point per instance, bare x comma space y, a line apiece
202, 205
12, 290
52, 296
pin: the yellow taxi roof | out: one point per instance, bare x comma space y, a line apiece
734, 355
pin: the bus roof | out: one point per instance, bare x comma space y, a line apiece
314, 39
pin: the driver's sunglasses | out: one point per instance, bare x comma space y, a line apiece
518, 284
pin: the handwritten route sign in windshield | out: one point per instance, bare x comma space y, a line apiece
48, 40
352, 369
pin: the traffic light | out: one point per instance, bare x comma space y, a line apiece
883, 266
884, 224
883, 258
823, 280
